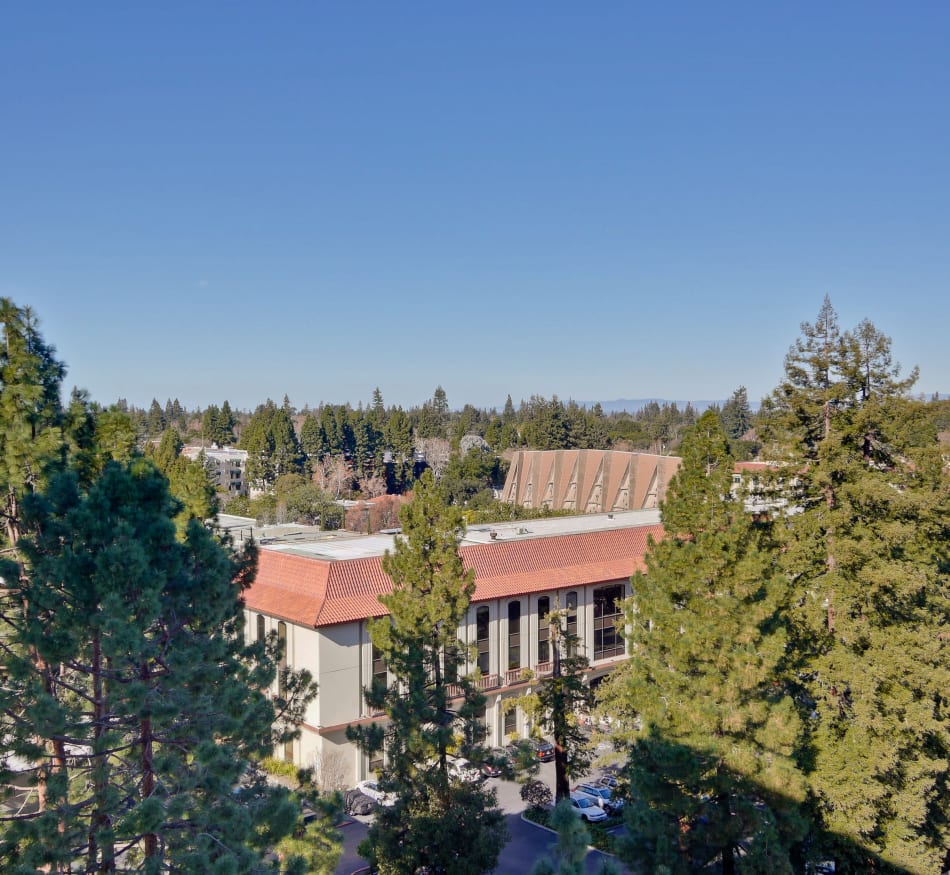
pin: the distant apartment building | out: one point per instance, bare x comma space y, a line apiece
226, 466
588, 481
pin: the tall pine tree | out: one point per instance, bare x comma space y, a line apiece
702, 702
139, 736
436, 822
868, 549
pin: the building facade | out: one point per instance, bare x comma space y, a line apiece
227, 467
318, 595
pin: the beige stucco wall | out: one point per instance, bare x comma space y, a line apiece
340, 660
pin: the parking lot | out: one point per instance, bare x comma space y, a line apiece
528, 841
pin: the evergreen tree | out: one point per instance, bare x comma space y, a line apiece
115, 436
712, 771
258, 439
442, 824
440, 403
209, 424
364, 444
868, 548
546, 425
190, 483
287, 457
736, 415
168, 450
573, 837
556, 702
313, 440
154, 691
378, 409
178, 414
32, 443
155, 423
226, 423
397, 437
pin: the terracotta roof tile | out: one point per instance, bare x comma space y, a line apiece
314, 591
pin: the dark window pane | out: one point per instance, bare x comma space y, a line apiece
514, 635
481, 636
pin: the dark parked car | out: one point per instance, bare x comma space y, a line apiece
357, 802
497, 762
544, 749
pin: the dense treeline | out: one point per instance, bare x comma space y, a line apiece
346, 452
367, 434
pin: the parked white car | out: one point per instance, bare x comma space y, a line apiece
462, 769
371, 789
600, 795
587, 808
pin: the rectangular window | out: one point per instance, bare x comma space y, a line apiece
380, 671
572, 622
514, 635
261, 631
608, 638
481, 638
544, 629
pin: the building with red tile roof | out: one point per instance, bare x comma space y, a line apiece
317, 591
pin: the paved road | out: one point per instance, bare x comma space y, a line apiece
529, 842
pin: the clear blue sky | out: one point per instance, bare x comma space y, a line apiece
594, 201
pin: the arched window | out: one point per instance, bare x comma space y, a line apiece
514, 635
572, 622
544, 629
481, 640
380, 671
608, 639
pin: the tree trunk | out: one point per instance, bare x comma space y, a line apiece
148, 773
562, 788
100, 818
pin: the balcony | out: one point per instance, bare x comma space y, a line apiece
484, 683
518, 676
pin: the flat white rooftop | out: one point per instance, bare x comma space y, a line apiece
311, 541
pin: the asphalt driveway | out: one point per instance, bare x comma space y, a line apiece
528, 843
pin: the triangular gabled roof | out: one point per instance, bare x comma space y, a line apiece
588, 481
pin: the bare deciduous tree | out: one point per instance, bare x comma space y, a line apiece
334, 476
436, 451
373, 487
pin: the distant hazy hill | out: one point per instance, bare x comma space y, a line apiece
632, 405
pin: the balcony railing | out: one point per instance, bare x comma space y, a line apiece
518, 676
509, 678
484, 683
488, 682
